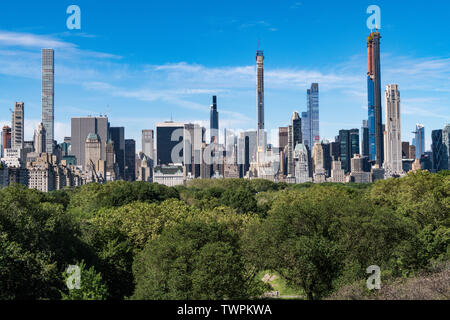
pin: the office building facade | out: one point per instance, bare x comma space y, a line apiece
393, 135
48, 97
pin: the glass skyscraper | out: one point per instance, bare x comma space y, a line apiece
376, 152
48, 107
313, 113
214, 122
419, 140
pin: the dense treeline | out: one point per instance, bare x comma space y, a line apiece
211, 239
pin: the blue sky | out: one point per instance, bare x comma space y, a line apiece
145, 61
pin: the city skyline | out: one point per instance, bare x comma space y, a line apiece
187, 98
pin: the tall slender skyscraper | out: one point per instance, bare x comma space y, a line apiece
374, 99
260, 97
313, 113
48, 96
419, 140
305, 129
214, 121
17, 121
365, 138
393, 136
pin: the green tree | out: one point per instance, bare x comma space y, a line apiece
193, 260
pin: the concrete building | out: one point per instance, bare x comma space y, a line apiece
13, 158
18, 126
301, 163
48, 97
169, 175
6, 139
148, 143
92, 152
40, 140
337, 173
393, 135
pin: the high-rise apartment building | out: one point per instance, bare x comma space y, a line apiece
392, 136
148, 143
18, 126
214, 122
374, 99
40, 141
349, 146
130, 160
419, 140
6, 139
80, 129
305, 129
48, 97
283, 133
260, 98
117, 135
92, 152
313, 113
365, 138
301, 163
294, 138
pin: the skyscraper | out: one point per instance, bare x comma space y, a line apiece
419, 140
294, 138
80, 129
92, 151
117, 135
365, 138
169, 135
6, 139
305, 129
17, 121
349, 146
374, 99
313, 113
283, 133
40, 139
130, 160
393, 136
439, 159
48, 96
148, 143
260, 98
214, 121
